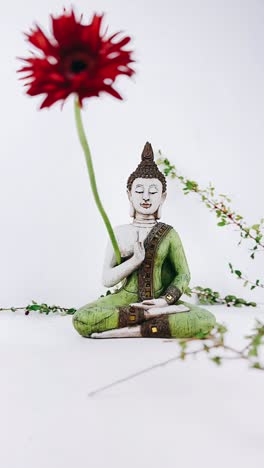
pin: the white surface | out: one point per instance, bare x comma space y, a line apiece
186, 414
197, 96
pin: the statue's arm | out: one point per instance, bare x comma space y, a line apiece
182, 278
113, 273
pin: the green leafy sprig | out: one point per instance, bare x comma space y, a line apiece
208, 296
247, 282
219, 204
217, 342
42, 309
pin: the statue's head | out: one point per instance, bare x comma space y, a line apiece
146, 186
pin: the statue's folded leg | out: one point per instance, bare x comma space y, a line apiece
98, 318
179, 325
103, 314
174, 325
95, 319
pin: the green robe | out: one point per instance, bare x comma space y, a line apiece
170, 269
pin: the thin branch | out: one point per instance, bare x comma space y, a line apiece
248, 353
222, 211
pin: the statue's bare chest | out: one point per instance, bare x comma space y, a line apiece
127, 236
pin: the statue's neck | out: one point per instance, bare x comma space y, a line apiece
144, 220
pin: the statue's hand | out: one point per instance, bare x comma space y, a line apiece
139, 253
156, 307
151, 303
152, 307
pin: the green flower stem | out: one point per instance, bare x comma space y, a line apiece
88, 158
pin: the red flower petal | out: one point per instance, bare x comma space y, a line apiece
52, 98
94, 32
66, 30
39, 40
112, 91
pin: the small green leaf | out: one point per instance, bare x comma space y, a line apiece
253, 352
240, 300
34, 307
238, 273
71, 311
256, 365
217, 360
201, 335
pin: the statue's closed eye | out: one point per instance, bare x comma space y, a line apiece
151, 193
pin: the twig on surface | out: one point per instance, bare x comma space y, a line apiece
249, 353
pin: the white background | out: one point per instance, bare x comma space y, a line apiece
197, 96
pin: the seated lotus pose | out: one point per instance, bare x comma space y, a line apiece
154, 272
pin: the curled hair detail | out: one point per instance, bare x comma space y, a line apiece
147, 169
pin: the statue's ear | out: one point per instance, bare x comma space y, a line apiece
163, 198
131, 207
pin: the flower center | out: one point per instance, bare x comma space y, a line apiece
77, 66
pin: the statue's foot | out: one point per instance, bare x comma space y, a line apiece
126, 332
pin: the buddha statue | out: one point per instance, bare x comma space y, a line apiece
154, 272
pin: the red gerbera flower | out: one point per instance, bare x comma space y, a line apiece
76, 59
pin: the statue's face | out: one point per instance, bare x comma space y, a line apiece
146, 195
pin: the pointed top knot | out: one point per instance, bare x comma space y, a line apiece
147, 153
147, 169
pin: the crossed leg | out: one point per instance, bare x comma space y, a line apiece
154, 322
157, 327
97, 321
